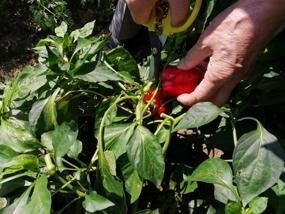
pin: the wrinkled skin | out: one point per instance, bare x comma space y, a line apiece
231, 42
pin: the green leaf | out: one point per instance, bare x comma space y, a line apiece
110, 158
121, 60
233, 208
218, 172
148, 211
11, 186
180, 180
86, 30
198, 115
43, 115
6, 154
258, 205
276, 196
22, 88
64, 137
17, 137
211, 210
83, 43
41, 198
17, 207
203, 18
100, 111
54, 58
49, 112
75, 149
224, 194
94, 202
23, 161
35, 115
3, 203
116, 137
46, 140
145, 154
61, 30
133, 182
113, 187
96, 72
258, 161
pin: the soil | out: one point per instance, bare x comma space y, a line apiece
19, 33
18, 36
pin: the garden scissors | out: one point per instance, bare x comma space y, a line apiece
162, 25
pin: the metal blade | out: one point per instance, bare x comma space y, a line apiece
156, 42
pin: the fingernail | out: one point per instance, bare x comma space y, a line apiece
181, 97
180, 63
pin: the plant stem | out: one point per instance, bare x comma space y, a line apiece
150, 101
68, 184
66, 206
71, 164
167, 141
177, 119
111, 68
31, 174
173, 122
100, 145
161, 126
234, 133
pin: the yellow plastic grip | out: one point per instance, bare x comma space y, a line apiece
167, 28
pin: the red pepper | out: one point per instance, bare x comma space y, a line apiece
176, 81
159, 103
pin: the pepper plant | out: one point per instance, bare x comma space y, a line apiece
78, 135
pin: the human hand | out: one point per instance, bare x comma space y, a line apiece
231, 42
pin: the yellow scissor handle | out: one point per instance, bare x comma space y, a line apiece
167, 28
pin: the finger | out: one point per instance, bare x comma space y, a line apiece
195, 56
221, 97
224, 93
204, 91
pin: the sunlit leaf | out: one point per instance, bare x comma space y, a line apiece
63, 137
41, 198
75, 149
258, 161
199, 115
133, 182
218, 172
124, 63
61, 30
94, 202
17, 207
145, 154
116, 137
233, 208
17, 137
43, 115
258, 205
96, 72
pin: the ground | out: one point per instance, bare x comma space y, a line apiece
19, 34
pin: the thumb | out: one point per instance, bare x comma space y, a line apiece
203, 92
195, 56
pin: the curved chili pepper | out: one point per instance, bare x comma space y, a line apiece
158, 105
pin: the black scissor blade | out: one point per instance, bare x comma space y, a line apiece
156, 46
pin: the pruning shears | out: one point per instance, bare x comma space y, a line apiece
159, 30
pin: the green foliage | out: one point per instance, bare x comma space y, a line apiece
77, 136
48, 14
